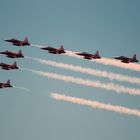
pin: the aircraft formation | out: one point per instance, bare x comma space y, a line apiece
52, 50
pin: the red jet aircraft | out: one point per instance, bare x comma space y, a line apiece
89, 56
54, 50
5, 85
9, 66
127, 59
18, 42
13, 54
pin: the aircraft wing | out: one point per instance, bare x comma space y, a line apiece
11, 56
52, 50
5, 67
125, 61
87, 57
16, 43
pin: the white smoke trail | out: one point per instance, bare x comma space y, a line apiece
117, 63
37, 46
103, 60
21, 88
95, 72
109, 61
96, 104
73, 54
86, 82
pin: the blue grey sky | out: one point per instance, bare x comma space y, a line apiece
110, 26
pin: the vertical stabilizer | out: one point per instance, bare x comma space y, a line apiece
15, 64
26, 39
134, 57
8, 82
20, 52
61, 47
97, 53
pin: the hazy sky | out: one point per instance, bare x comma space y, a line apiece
110, 26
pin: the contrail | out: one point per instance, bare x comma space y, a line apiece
108, 61
95, 72
86, 82
96, 104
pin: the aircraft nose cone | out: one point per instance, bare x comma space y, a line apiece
43, 48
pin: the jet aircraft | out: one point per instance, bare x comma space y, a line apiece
90, 56
9, 66
18, 42
5, 85
54, 50
13, 54
125, 59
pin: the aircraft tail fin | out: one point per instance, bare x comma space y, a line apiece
134, 57
8, 82
97, 53
26, 40
15, 64
61, 47
20, 52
